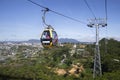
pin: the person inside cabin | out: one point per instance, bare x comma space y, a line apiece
46, 35
43, 36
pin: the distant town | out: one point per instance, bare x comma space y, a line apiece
26, 49
11, 49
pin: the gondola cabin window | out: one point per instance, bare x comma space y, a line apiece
46, 35
54, 38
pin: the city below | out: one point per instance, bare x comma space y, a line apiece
8, 49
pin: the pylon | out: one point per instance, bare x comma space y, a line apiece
97, 71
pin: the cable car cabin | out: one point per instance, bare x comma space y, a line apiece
49, 38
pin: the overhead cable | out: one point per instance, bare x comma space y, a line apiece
106, 39
89, 8
106, 9
57, 12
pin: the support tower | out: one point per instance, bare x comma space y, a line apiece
97, 71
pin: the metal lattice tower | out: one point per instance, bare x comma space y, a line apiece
97, 71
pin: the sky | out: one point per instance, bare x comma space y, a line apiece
22, 20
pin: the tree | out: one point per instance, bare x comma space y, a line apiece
113, 52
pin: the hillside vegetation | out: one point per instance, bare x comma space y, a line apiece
62, 63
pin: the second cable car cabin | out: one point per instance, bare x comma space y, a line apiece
49, 38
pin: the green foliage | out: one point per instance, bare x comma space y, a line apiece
113, 52
90, 48
42, 67
110, 58
111, 46
26, 72
111, 76
60, 54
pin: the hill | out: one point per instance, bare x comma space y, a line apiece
61, 40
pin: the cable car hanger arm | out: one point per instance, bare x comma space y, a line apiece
43, 17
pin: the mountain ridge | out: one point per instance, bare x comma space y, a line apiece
61, 40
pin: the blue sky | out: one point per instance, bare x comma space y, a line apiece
22, 20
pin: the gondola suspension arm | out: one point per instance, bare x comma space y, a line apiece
43, 17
